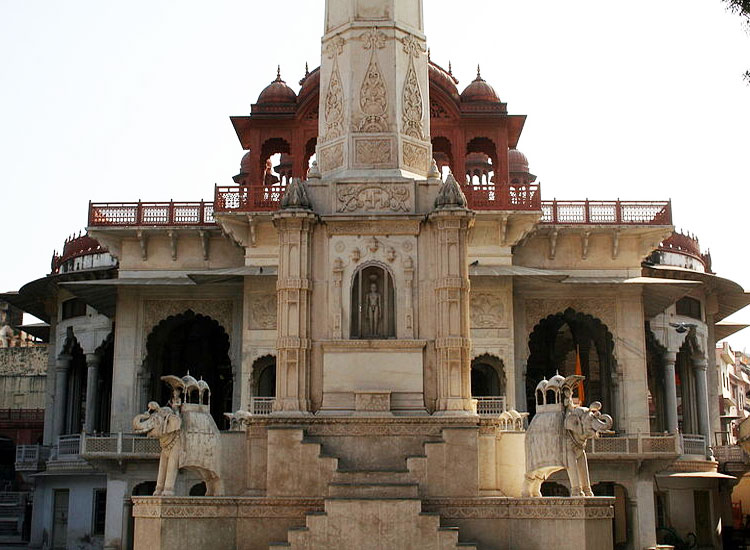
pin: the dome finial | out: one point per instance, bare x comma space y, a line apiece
429, 55
450, 68
278, 73
479, 72
307, 69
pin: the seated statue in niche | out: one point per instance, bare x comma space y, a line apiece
374, 304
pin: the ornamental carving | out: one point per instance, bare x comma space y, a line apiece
262, 309
487, 311
373, 151
437, 110
373, 94
412, 47
373, 198
416, 156
155, 311
332, 157
334, 107
539, 309
375, 227
334, 48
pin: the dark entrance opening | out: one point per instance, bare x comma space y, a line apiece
487, 377
554, 344
195, 344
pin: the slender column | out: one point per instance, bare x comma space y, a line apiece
92, 381
701, 390
293, 289
670, 391
61, 392
452, 338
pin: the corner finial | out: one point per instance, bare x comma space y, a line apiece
429, 55
295, 197
450, 195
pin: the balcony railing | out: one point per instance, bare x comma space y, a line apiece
261, 406
490, 406
21, 415
613, 446
606, 212
503, 197
119, 446
241, 198
31, 458
693, 444
67, 447
153, 214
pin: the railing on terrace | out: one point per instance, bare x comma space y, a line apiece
31, 458
503, 197
21, 415
248, 198
490, 406
67, 447
156, 214
119, 446
731, 453
262, 406
633, 444
607, 212
693, 444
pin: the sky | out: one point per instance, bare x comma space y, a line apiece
108, 100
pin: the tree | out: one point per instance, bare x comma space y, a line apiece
741, 8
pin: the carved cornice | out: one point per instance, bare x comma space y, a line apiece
373, 345
348, 226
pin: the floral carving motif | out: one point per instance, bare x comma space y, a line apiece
373, 151
334, 107
334, 48
373, 94
263, 312
412, 46
416, 156
373, 198
332, 157
487, 311
373, 39
413, 108
437, 110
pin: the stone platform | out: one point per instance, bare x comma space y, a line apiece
259, 523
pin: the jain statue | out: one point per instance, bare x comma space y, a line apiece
557, 436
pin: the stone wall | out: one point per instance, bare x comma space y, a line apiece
23, 375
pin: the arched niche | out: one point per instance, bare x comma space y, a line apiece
553, 346
487, 376
194, 344
373, 303
621, 536
264, 376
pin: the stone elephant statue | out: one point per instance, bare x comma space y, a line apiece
557, 436
189, 439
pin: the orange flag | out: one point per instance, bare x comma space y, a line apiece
579, 372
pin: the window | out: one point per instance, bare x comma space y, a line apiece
100, 512
73, 308
689, 307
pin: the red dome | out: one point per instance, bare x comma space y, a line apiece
517, 162
246, 162
310, 84
443, 79
277, 92
479, 90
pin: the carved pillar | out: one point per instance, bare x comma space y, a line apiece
293, 289
338, 274
409, 295
452, 340
92, 381
61, 392
701, 398
670, 392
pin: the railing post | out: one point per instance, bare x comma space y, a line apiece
201, 214
170, 213
586, 214
554, 210
139, 213
618, 212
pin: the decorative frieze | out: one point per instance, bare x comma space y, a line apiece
372, 152
416, 156
262, 311
373, 198
487, 310
332, 157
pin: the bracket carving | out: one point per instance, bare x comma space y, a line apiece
553, 243
585, 244
143, 242
205, 243
172, 234
615, 244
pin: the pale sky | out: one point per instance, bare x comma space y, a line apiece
110, 100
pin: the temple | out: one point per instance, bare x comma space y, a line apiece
371, 317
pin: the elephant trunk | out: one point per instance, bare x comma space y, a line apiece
142, 423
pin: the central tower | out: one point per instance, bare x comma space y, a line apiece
374, 115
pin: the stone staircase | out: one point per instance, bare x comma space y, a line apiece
369, 509
373, 524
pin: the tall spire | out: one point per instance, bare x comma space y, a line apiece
374, 102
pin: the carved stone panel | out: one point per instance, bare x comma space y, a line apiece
262, 311
416, 156
373, 198
332, 157
371, 152
487, 311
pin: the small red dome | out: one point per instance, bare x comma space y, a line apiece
246, 162
443, 79
310, 84
277, 92
517, 162
479, 90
